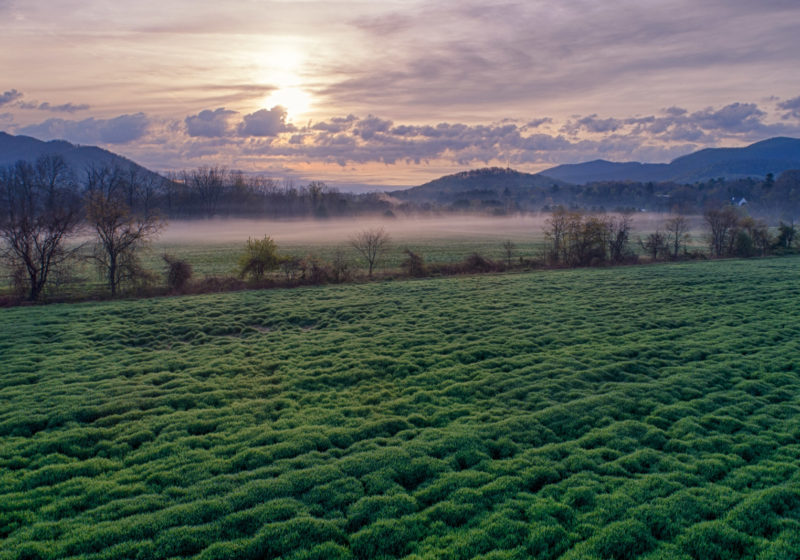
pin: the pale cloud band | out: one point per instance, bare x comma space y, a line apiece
266, 137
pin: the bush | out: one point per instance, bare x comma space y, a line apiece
178, 273
414, 265
260, 256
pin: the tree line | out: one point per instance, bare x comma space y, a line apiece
44, 210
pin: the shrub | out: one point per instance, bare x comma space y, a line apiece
178, 272
414, 265
260, 256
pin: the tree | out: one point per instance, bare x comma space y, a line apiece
122, 230
260, 256
555, 234
656, 245
786, 234
508, 250
677, 233
722, 222
371, 244
207, 184
619, 232
40, 209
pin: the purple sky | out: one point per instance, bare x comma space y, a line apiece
399, 92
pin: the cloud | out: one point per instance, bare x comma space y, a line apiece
593, 124
209, 124
536, 123
369, 127
63, 108
265, 123
336, 124
792, 106
118, 130
9, 96
736, 117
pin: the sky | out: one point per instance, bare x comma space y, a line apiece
395, 93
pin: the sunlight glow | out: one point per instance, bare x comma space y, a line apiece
296, 101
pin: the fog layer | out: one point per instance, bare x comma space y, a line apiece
336, 231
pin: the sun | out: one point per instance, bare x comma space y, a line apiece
296, 101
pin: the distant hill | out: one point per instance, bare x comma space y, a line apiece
493, 186
768, 156
15, 148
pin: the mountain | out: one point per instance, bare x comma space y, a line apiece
493, 186
79, 158
768, 156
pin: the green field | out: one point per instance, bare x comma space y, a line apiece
632, 412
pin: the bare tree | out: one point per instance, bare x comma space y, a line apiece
723, 222
656, 245
39, 210
208, 185
371, 244
556, 233
121, 230
508, 249
677, 232
619, 232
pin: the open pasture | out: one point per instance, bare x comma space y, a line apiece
632, 412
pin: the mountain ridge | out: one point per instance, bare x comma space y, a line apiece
79, 158
773, 155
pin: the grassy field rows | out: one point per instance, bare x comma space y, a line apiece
635, 412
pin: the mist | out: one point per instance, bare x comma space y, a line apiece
340, 230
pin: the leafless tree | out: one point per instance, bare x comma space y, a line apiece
722, 222
340, 265
556, 233
371, 244
656, 245
677, 233
39, 210
508, 249
121, 230
208, 184
619, 232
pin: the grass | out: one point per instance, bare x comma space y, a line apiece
637, 412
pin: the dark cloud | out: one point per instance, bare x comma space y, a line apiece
9, 96
209, 123
63, 108
367, 128
593, 124
536, 123
336, 124
265, 123
736, 117
119, 130
792, 106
